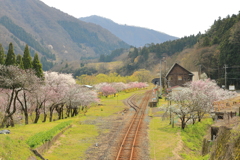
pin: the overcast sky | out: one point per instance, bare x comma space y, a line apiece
174, 17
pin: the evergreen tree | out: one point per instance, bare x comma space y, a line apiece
37, 66
206, 41
102, 58
2, 55
10, 60
19, 61
27, 59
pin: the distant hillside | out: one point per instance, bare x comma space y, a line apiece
53, 34
135, 36
210, 53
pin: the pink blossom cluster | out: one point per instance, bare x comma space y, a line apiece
112, 88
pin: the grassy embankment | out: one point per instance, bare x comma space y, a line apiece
71, 145
173, 143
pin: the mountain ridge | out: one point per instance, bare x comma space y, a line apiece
42, 22
133, 35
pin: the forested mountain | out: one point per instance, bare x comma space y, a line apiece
55, 35
148, 57
217, 53
224, 36
135, 36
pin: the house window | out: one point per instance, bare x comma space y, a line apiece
179, 78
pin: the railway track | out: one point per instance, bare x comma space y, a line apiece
127, 149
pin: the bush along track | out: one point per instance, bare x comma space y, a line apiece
42, 137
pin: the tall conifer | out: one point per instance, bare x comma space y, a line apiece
2, 55
37, 66
19, 61
27, 59
11, 58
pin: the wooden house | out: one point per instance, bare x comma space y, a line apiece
178, 76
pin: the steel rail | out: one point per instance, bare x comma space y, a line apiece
137, 118
144, 105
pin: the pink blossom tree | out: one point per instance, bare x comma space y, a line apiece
118, 86
108, 90
196, 99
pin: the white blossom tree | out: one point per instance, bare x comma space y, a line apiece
57, 85
196, 99
14, 80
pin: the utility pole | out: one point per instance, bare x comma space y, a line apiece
200, 71
225, 68
160, 79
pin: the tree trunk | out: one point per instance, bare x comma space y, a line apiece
4, 122
183, 122
44, 113
7, 111
26, 117
24, 107
8, 119
62, 112
44, 117
193, 120
199, 117
170, 118
58, 109
68, 111
37, 115
75, 112
51, 112
71, 111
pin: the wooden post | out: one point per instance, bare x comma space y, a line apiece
239, 112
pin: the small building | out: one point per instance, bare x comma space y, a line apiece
178, 76
88, 86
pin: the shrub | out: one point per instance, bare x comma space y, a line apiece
42, 137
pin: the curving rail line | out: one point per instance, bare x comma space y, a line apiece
127, 147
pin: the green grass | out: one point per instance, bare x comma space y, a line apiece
41, 137
192, 137
74, 142
12, 149
79, 138
163, 139
14, 146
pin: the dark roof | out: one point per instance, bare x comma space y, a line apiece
176, 64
